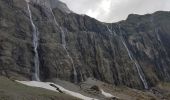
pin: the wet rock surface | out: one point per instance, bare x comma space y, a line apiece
95, 47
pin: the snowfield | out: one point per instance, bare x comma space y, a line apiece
46, 85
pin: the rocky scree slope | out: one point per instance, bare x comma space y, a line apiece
73, 47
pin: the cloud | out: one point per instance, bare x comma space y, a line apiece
116, 10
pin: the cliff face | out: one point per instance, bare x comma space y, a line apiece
72, 47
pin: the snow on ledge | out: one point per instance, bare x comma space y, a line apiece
108, 95
48, 86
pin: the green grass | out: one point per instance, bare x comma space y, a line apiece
11, 90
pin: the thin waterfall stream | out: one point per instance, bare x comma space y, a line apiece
111, 30
139, 70
157, 34
64, 46
35, 45
161, 44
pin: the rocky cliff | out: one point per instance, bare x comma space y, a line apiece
134, 52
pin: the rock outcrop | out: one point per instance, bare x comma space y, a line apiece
131, 52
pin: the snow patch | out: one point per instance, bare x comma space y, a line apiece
106, 94
48, 86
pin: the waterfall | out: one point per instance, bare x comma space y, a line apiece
35, 45
111, 31
139, 70
157, 34
161, 44
64, 46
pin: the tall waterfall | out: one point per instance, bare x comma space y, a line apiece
35, 45
64, 46
157, 34
139, 70
161, 44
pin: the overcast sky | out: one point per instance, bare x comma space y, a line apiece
116, 10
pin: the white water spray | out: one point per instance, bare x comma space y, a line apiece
64, 46
35, 45
139, 70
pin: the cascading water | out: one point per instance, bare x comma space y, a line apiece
111, 31
139, 70
161, 44
64, 46
35, 45
157, 34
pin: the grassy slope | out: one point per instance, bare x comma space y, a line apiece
10, 90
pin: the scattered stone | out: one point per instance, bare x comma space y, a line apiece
58, 89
